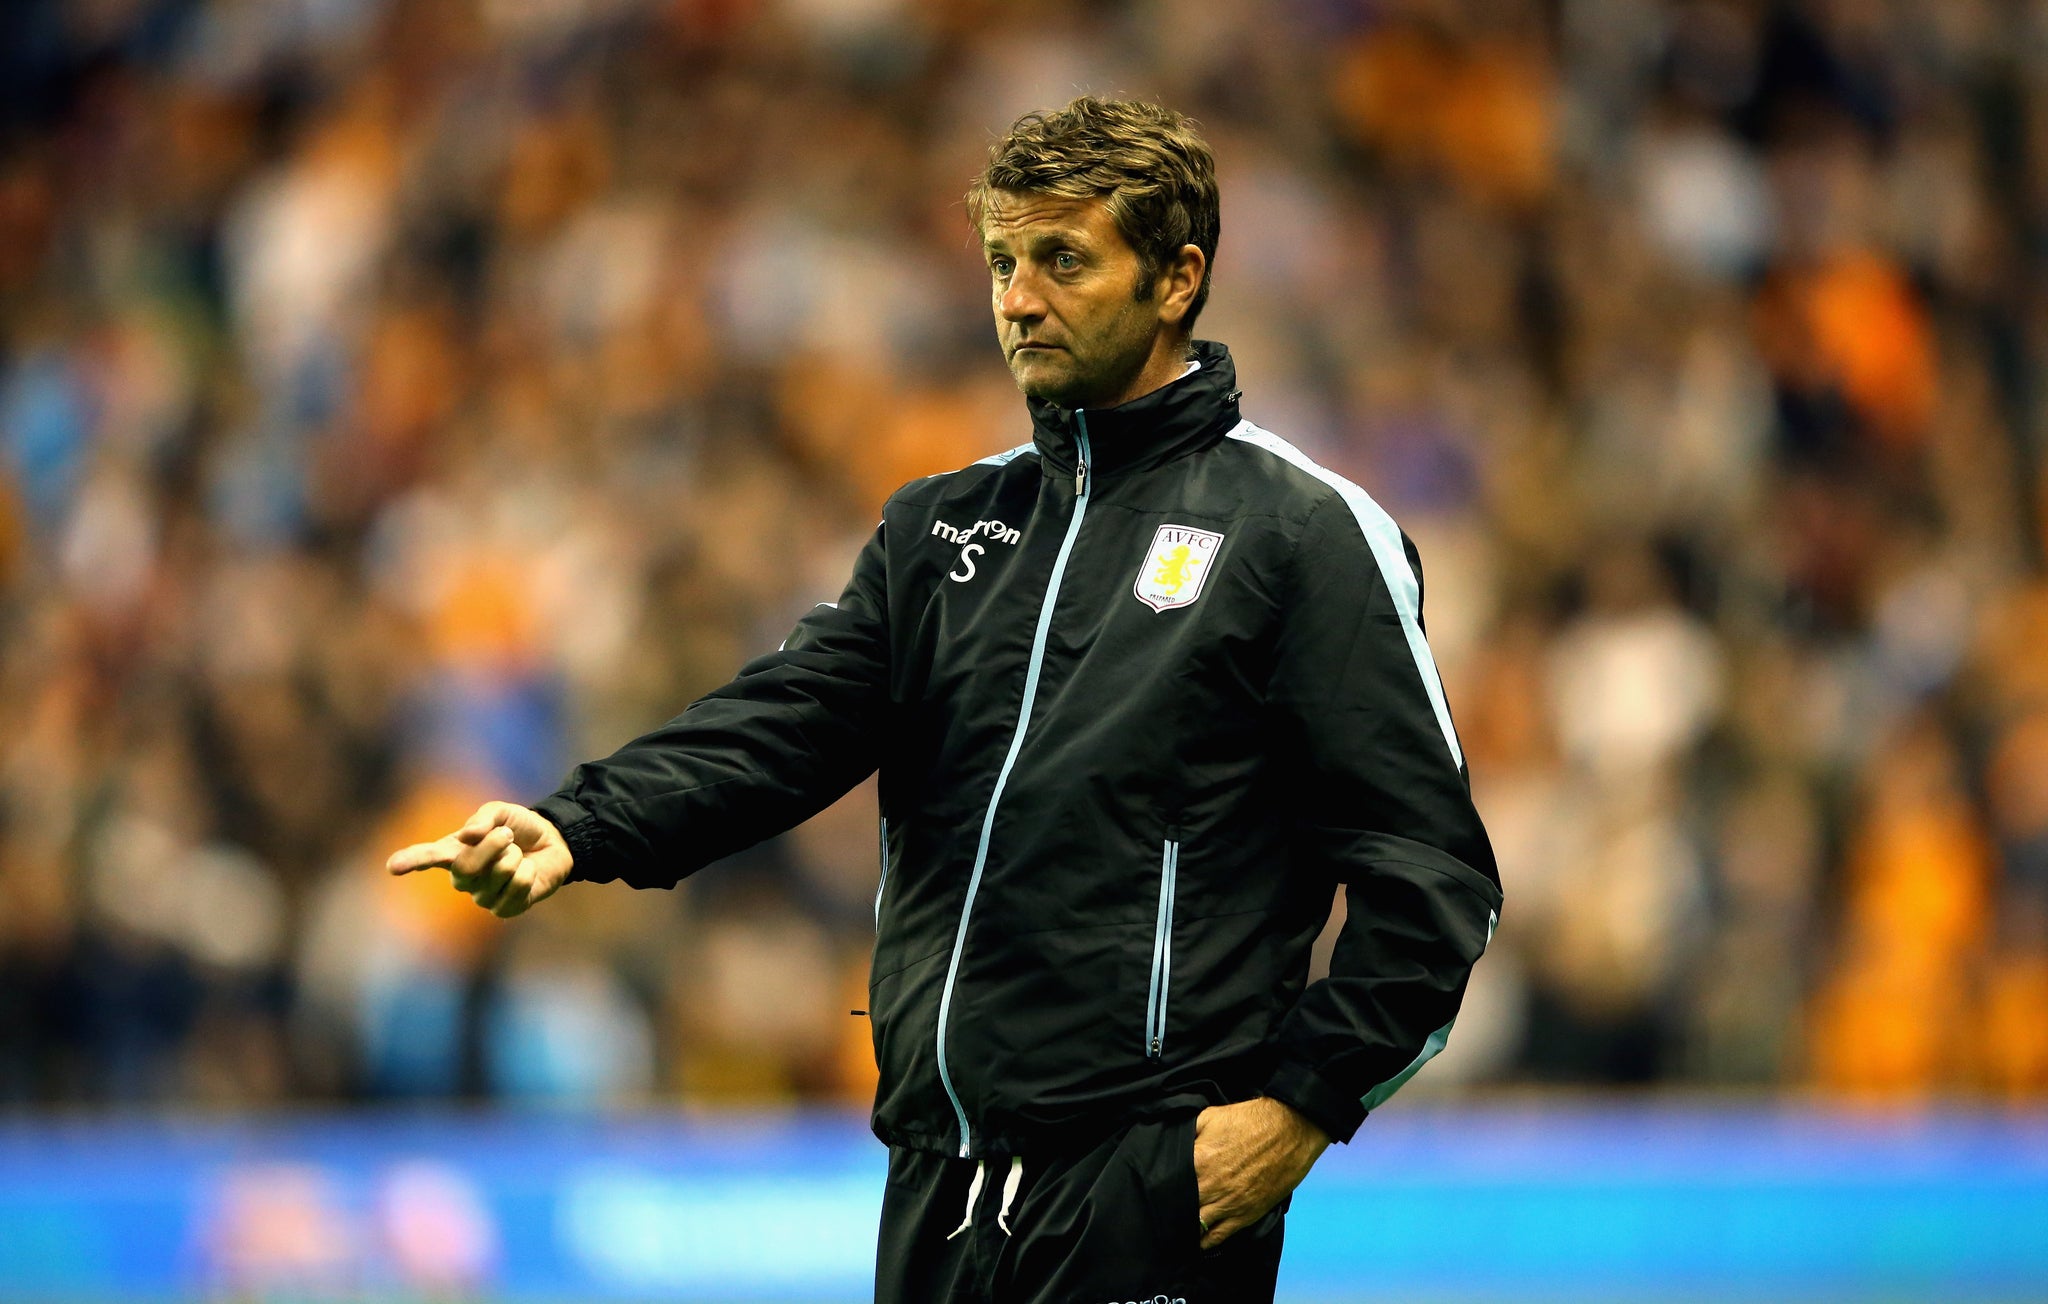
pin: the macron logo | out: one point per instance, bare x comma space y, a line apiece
993, 531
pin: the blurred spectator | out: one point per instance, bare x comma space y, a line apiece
401, 399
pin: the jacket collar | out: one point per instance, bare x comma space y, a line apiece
1179, 418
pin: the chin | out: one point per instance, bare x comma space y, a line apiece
1043, 383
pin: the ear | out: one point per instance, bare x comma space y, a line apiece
1178, 282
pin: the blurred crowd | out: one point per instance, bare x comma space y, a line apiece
403, 399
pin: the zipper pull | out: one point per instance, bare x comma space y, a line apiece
1155, 1047
1080, 455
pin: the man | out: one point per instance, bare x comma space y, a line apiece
1142, 693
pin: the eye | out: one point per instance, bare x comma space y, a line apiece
1066, 261
999, 266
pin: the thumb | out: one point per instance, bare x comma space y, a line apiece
531, 829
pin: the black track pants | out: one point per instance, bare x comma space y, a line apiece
1111, 1225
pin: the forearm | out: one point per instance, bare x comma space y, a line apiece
787, 736
1413, 930
739, 766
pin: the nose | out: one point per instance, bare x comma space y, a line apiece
1020, 300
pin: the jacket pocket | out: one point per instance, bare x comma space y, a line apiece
1162, 953
1161, 1155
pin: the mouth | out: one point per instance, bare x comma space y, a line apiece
1035, 348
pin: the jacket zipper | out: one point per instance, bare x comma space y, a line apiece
1162, 953
883, 881
988, 821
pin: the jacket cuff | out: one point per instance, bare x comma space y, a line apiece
585, 836
1315, 1098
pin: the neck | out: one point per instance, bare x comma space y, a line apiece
1168, 360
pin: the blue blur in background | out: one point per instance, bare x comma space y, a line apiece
1429, 1204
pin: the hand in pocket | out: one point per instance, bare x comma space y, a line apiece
1248, 1156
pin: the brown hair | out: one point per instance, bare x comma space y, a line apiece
1149, 166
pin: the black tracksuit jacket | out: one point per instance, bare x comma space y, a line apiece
1142, 693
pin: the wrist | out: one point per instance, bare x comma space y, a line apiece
1334, 1112
1300, 1130
581, 836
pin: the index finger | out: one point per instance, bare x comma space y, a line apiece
439, 854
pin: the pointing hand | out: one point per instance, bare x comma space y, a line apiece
506, 857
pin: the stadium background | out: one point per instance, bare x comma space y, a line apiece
401, 399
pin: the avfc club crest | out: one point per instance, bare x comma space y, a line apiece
1176, 567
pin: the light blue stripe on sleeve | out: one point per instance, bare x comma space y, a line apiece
1430, 1049
1379, 1095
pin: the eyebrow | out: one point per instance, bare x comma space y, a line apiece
1068, 238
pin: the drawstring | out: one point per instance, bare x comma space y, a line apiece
1010, 1185
1010, 1192
973, 1195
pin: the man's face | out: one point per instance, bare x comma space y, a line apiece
1065, 287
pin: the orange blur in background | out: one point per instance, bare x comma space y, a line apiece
403, 399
